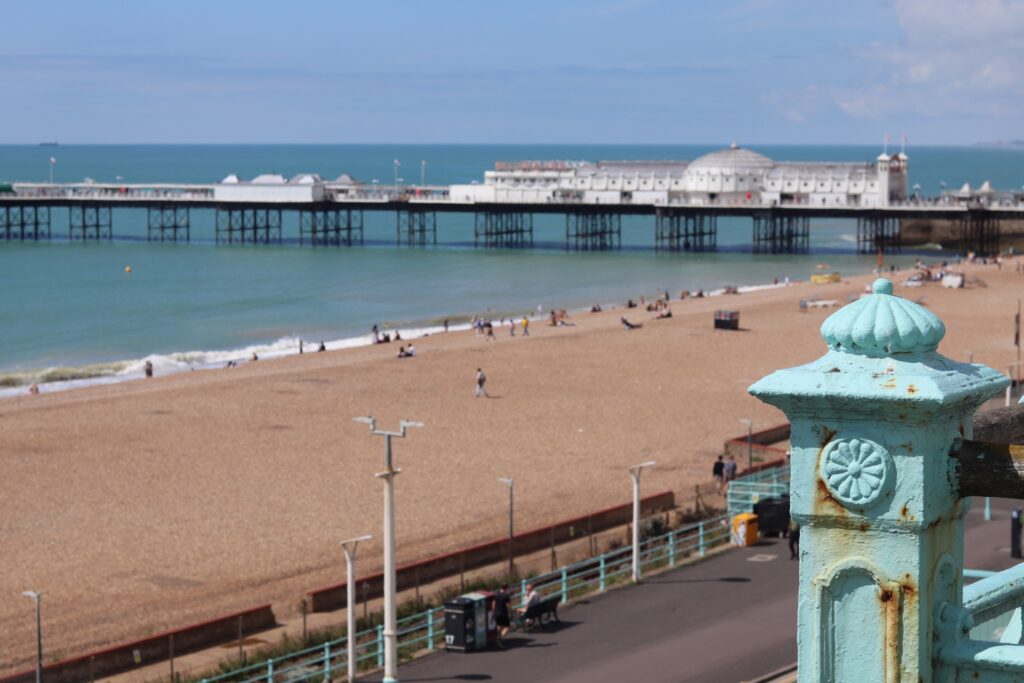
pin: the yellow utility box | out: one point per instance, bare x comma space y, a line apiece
744, 529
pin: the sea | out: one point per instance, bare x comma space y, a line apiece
74, 313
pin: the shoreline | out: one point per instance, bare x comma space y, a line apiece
15, 383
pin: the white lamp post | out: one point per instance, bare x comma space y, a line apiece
511, 528
423, 172
35, 596
750, 442
53, 162
349, 546
388, 475
634, 473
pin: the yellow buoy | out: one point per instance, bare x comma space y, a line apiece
128, 269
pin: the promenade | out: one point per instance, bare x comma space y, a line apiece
728, 619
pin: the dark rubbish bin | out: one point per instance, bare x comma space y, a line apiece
727, 320
773, 515
465, 623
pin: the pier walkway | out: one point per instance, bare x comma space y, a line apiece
332, 214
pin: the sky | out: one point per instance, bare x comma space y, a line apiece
548, 71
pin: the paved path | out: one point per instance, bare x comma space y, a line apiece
727, 619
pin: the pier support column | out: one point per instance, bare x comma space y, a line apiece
676, 231
90, 222
979, 232
502, 229
334, 227
417, 227
168, 223
774, 234
248, 225
593, 231
24, 222
878, 233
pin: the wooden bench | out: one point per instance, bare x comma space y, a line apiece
543, 613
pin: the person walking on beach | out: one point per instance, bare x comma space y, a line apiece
148, 369
376, 334
481, 380
730, 469
526, 326
511, 327
718, 472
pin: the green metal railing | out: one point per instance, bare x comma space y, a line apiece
425, 630
744, 492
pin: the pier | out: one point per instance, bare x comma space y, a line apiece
684, 201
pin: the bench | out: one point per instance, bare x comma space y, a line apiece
542, 613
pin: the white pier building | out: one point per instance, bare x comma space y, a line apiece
731, 176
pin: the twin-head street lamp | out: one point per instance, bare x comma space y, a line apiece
388, 475
35, 596
634, 473
511, 527
349, 546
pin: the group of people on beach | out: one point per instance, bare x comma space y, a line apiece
484, 327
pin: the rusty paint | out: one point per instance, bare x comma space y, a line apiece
905, 512
886, 595
911, 389
889, 383
835, 370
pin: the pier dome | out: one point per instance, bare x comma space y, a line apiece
733, 169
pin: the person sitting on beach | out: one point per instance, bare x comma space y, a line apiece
33, 389
628, 325
665, 313
322, 347
596, 308
554, 319
398, 336
253, 358
148, 369
385, 338
630, 303
401, 352
410, 351
231, 364
699, 294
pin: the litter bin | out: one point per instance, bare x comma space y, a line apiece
465, 623
727, 320
744, 529
772, 515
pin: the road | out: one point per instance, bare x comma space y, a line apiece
727, 619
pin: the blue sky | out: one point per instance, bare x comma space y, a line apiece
609, 71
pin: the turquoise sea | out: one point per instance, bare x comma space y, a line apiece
69, 311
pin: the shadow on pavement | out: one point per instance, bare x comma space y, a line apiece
721, 579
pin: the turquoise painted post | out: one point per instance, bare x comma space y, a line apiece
565, 585
430, 629
700, 539
270, 670
874, 489
380, 645
672, 549
327, 661
601, 575
988, 509
522, 593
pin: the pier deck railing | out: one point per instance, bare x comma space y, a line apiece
425, 630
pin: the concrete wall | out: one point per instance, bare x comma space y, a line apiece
152, 649
453, 564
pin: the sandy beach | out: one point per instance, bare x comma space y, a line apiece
152, 504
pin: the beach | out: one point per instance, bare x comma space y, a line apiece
151, 504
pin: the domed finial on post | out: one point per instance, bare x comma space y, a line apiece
882, 325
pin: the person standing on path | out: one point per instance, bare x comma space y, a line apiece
502, 617
718, 472
730, 469
481, 380
794, 540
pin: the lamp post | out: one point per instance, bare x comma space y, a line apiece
53, 162
634, 473
35, 596
388, 475
349, 546
395, 169
511, 527
423, 172
750, 442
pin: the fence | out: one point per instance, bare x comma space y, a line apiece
744, 492
425, 630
